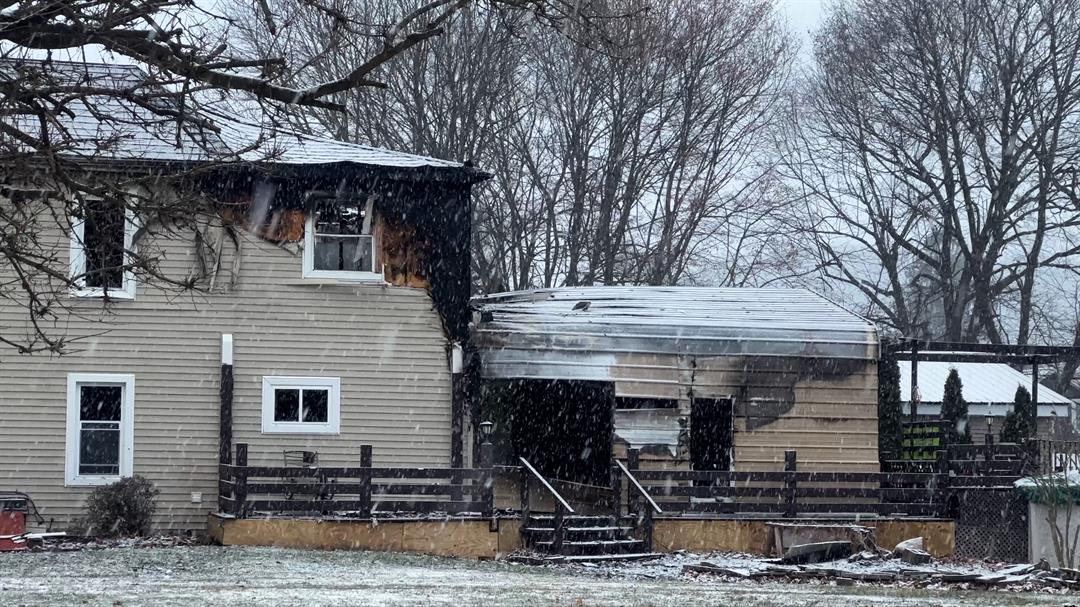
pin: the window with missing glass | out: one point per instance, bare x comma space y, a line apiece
339, 242
301, 405
100, 241
100, 426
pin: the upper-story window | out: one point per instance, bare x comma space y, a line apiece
100, 244
338, 243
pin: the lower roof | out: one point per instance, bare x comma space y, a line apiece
561, 332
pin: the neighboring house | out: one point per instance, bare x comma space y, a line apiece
334, 290
709, 379
989, 389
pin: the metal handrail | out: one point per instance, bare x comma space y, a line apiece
546, 485
638, 486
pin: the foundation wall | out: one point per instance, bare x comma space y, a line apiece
476, 539
756, 537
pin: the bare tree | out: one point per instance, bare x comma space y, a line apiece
934, 147
189, 65
655, 145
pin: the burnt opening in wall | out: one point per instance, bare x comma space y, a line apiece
562, 427
711, 433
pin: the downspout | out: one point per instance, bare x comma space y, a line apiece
457, 405
225, 432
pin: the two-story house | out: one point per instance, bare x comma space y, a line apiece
329, 311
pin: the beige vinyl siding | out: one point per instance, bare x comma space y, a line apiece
832, 424
385, 344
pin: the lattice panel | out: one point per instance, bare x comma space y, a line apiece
992, 524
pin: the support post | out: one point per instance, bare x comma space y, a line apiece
240, 480
616, 493
560, 529
225, 393
365, 481
633, 463
647, 531
524, 480
942, 481
791, 508
1034, 399
487, 489
913, 399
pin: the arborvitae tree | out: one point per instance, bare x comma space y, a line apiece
1019, 426
890, 413
954, 410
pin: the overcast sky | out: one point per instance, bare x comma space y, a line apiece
803, 17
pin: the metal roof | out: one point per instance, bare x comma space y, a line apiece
135, 133
988, 387
581, 332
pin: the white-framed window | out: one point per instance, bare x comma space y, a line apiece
100, 428
301, 405
100, 246
339, 243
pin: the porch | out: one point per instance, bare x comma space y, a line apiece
491, 511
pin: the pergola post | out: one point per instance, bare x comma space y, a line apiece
913, 399
1035, 397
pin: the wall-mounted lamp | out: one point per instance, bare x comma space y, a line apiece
486, 428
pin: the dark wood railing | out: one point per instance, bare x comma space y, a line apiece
791, 493
562, 507
640, 504
363, 491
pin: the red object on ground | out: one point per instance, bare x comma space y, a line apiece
12, 521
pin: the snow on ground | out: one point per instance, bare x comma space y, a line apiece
208, 575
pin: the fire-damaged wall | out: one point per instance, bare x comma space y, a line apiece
421, 229
710, 378
826, 409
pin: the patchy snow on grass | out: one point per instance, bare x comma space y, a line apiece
209, 575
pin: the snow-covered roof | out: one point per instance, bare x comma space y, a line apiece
135, 133
988, 388
563, 332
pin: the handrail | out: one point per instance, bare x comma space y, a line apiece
638, 486
547, 485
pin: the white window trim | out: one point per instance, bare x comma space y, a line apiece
333, 407
78, 260
309, 259
72, 478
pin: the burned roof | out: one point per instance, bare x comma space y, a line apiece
108, 127
571, 332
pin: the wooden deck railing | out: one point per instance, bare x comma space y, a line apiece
791, 493
363, 491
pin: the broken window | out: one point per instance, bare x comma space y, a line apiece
633, 402
302, 405
340, 243
100, 241
99, 439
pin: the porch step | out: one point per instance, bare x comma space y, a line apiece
590, 558
584, 536
594, 547
575, 520
609, 532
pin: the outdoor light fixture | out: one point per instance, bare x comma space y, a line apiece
486, 428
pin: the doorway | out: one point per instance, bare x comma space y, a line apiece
711, 433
